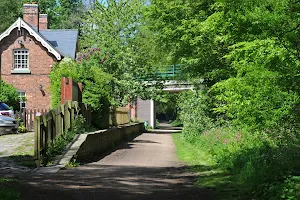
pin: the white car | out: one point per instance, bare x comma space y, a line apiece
8, 125
6, 111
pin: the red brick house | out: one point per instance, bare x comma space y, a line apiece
28, 51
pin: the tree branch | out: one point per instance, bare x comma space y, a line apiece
294, 28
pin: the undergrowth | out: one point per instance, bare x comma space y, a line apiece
60, 142
260, 166
258, 151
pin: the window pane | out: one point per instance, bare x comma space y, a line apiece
20, 59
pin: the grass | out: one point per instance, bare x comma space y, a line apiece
210, 174
176, 123
24, 155
73, 163
22, 149
7, 189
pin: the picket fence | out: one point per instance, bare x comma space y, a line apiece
27, 117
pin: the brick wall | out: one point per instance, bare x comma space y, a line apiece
40, 63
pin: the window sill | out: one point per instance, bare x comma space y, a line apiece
21, 71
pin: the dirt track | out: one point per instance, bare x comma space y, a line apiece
146, 168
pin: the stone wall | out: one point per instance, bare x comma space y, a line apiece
100, 141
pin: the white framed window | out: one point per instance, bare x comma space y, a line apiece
21, 60
22, 99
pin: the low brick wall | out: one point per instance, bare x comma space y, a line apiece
100, 141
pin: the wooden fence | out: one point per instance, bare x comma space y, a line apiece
119, 116
49, 125
122, 116
27, 117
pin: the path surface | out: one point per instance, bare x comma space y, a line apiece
146, 168
15, 145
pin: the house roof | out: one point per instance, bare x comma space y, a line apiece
59, 42
64, 40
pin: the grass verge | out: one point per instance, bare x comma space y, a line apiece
210, 175
7, 189
24, 155
176, 123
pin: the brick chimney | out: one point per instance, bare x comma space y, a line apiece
43, 22
31, 14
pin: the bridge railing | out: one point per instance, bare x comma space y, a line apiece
168, 72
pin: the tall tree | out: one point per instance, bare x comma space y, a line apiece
10, 11
115, 27
65, 14
68, 14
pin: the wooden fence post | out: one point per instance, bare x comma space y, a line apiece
44, 131
37, 145
58, 124
72, 111
49, 126
67, 120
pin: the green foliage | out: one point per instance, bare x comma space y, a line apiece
66, 68
22, 128
157, 124
57, 146
9, 95
7, 189
10, 11
117, 28
176, 123
73, 164
78, 125
258, 162
62, 14
167, 106
194, 113
247, 53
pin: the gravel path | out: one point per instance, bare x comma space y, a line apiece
12, 143
15, 146
146, 168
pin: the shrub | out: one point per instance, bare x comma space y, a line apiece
66, 68
259, 161
57, 146
22, 128
194, 113
9, 95
96, 86
257, 97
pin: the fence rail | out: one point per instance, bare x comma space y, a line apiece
27, 117
49, 125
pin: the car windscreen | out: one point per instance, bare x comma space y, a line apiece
3, 106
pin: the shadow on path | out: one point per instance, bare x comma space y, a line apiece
114, 182
144, 168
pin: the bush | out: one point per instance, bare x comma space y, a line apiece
260, 162
194, 113
22, 128
256, 97
96, 86
66, 68
9, 95
57, 146
176, 123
